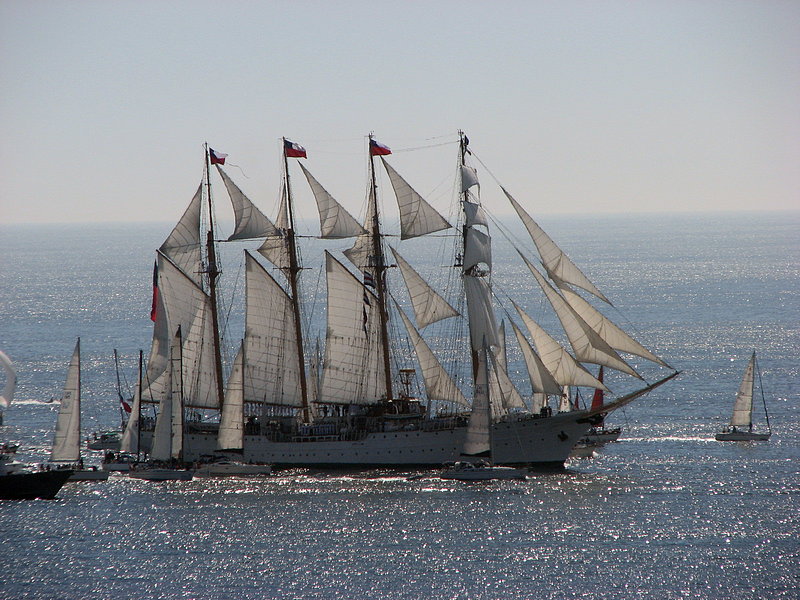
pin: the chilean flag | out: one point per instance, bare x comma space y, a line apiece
293, 150
154, 307
378, 149
217, 158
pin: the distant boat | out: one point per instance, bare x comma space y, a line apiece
476, 454
740, 428
166, 455
18, 483
66, 453
599, 434
10, 385
231, 468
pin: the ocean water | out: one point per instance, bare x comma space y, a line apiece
667, 512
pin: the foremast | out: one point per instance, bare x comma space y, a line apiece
292, 273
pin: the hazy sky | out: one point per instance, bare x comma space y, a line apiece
575, 106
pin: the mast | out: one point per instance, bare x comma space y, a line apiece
761, 387
294, 269
213, 273
468, 271
379, 266
139, 410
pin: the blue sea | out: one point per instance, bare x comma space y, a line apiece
665, 513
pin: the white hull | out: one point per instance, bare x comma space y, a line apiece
741, 436
162, 474
543, 443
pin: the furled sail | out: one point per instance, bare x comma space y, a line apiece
553, 258
334, 221
182, 246
417, 217
565, 369
66, 445
231, 421
11, 380
250, 221
438, 383
743, 405
429, 306
609, 331
542, 381
353, 366
586, 343
270, 373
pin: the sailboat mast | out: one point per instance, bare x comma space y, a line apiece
379, 265
139, 409
761, 388
294, 270
213, 273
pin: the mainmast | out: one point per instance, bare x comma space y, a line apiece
469, 271
378, 264
213, 273
292, 275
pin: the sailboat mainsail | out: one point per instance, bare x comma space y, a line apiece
741, 422
66, 444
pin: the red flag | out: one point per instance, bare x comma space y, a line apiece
217, 158
154, 307
125, 406
378, 149
293, 150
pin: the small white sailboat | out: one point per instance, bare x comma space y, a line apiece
477, 451
166, 455
66, 453
740, 428
10, 385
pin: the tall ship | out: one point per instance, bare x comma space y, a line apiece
379, 390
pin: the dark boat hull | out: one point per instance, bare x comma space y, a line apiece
29, 486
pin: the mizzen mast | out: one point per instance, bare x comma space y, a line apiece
378, 264
292, 275
212, 273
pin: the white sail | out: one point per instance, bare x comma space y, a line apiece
177, 398
585, 341
743, 405
361, 252
189, 307
353, 366
469, 177
553, 258
276, 247
231, 421
161, 447
250, 221
11, 380
482, 321
66, 445
429, 306
542, 381
271, 372
565, 401
475, 215
130, 437
477, 440
182, 246
417, 217
565, 369
606, 329
477, 249
334, 221
438, 383
502, 392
